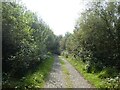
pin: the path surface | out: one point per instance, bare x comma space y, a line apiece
56, 78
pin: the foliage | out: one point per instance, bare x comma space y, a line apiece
26, 42
96, 39
112, 82
96, 36
34, 78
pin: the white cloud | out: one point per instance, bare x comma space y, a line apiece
60, 15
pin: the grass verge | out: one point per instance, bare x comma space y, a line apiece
34, 79
92, 78
66, 74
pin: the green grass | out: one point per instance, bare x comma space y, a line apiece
62, 62
66, 73
92, 78
37, 79
34, 79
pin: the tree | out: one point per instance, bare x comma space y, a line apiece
96, 36
26, 39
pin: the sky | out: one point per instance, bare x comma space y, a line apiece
60, 15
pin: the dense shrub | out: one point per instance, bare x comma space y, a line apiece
112, 82
96, 39
26, 40
96, 36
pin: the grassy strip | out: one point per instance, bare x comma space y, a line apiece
92, 78
66, 73
37, 79
34, 79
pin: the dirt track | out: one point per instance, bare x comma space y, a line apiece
57, 79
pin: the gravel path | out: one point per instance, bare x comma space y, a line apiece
56, 78
77, 80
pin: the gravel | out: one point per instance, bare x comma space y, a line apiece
56, 78
77, 80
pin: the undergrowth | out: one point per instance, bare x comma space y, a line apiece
33, 79
107, 78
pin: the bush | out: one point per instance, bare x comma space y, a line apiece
88, 68
112, 82
66, 55
25, 40
49, 53
108, 73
